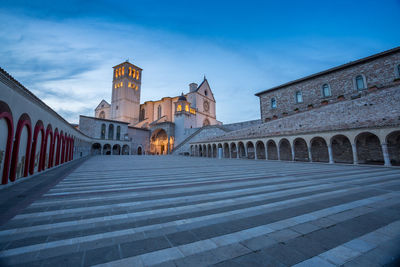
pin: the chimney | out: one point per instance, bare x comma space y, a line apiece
193, 87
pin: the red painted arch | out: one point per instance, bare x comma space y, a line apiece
62, 139
49, 131
39, 128
67, 141
23, 121
5, 113
71, 157
56, 149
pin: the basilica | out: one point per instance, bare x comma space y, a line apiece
153, 127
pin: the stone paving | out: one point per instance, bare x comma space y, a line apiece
178, 211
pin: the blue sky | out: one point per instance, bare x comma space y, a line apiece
64, 51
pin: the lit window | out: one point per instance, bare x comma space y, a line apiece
129, 85
119, 72
179, 108
122, 84
360, 82
137, 75
116, 73
187, 108
326, 91
115, 86
137, 87
130, 71
123, 70
193, 111
299, 97
273, 103
133, 73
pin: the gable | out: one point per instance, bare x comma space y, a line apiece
104, 103
205, 87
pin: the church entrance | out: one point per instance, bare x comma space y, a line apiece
159, 142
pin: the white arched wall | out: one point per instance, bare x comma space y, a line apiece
381, 133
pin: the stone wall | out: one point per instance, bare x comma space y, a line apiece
204, 133
240, 125
379, 108
378, 71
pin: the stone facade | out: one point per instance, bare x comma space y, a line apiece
377, 71
358, 120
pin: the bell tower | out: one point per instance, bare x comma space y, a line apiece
125, 98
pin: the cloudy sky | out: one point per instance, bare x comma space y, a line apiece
64, 51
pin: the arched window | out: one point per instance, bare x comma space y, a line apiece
360, 82
205, 92
103, 131
326, 90
299, 97
102, 115
159, 112
118, 132
206, 122
187, 108
179, 108
273, 102
111, 131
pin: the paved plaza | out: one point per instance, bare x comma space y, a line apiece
181, 211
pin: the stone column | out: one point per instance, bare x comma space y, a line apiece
385, 152
237, 152
330, 154
266, 152
292, 147
309, 153
245, 152
279, 154
354, 148
255, 153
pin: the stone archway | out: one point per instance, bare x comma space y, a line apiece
369, 150
159, 142
226, 150
285, 151
272, 150
107, 149
209, 152
341, 149
233, 151
393, 145
260, 150
319, 150
116, 149
250, 150
125, 150
241, 150
214, 149
300, 150
95, 149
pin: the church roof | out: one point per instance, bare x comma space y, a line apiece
182, 97
127, 62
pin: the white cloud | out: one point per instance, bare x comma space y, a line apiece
68, 63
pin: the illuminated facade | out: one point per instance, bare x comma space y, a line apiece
178, 117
